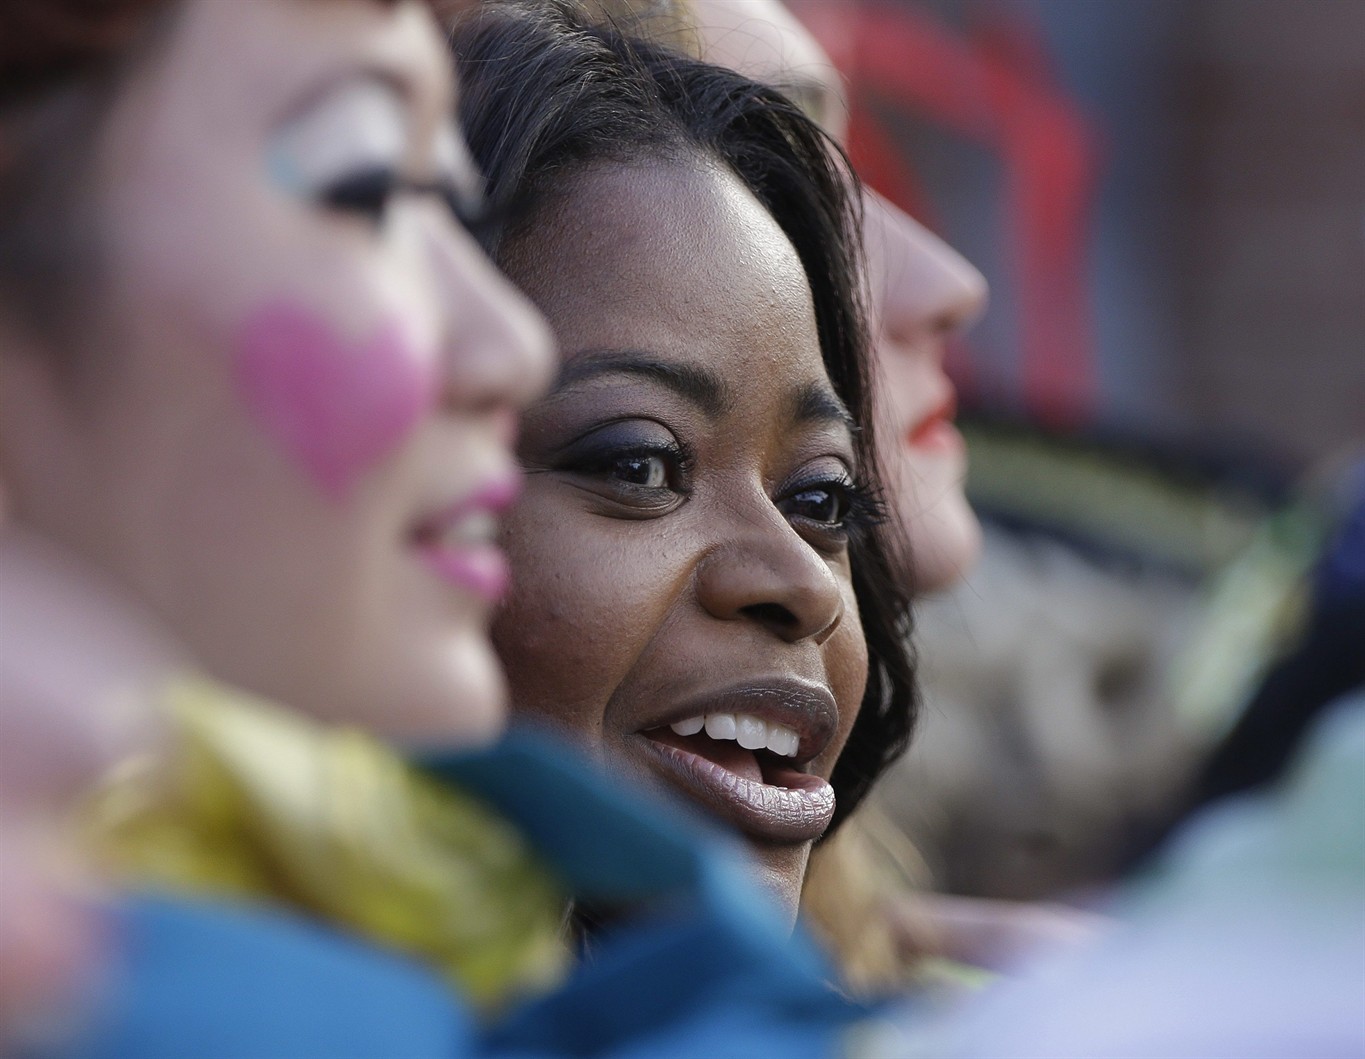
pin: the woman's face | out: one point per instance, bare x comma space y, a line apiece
922, 291
681, 596
289, 422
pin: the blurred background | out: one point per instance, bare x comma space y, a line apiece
1165, 404
1168, 197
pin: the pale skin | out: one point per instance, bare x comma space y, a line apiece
922, 294
277, 464
207, 477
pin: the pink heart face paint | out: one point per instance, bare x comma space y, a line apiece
337, 407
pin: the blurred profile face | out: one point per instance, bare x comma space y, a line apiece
921, 291
287, 422
682, 599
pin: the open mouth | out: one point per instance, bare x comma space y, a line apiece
459, 542
462, 553
750, 771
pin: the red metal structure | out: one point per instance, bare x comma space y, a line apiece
992, 87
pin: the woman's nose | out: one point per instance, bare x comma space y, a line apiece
763, 571
925, 285
498, 352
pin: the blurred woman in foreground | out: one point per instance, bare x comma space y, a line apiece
255, 386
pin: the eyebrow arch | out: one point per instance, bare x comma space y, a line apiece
818, 404
694, 383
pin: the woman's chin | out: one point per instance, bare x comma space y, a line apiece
478, 714
945, 541
780, 871
456, 700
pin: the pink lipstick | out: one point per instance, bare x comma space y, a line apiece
459, 544
744, 752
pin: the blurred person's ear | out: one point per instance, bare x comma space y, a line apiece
764, 41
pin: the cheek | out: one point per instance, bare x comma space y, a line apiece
582, 612
908, 372
336, 407
553, 632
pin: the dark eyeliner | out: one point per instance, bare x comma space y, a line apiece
604, 456
368, 192
863, 507
867, 508
599, 460
365, 192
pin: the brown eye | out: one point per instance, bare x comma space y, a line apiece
638, 467
825, 505
647, 472
837, 508
630, 455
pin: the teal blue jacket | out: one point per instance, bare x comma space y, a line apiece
707, 968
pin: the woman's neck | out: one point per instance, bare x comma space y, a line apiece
82, 663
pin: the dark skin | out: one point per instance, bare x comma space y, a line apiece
691, 485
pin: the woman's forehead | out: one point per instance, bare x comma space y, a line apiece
272, 57
680, 266
631, 252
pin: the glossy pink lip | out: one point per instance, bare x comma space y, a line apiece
472, 561
771, 799
798, 810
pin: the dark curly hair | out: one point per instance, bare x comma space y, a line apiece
547, 93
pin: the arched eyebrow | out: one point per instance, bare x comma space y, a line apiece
819, 404
692, 382
813, 403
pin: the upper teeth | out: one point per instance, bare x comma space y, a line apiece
750, 732
475, 528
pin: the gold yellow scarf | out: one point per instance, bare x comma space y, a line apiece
257, 803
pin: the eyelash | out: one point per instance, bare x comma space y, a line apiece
860, 507
676, 457
368, 193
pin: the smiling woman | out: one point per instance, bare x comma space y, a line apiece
701, 591
693, 473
